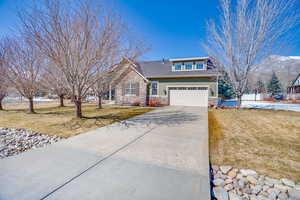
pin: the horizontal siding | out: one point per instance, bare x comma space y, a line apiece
164, 83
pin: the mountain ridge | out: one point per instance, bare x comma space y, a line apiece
286, 68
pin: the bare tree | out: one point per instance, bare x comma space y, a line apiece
3, 75
107, 79
54, 81
102, 86
24, 63
77, 38
247, 32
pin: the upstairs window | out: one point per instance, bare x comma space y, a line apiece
188, 66
199, 65
177, 66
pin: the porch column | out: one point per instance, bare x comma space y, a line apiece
109, 93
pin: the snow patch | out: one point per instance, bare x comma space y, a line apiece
295, 57
272, 106
285, 58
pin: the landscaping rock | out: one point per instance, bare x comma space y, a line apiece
271, 181
257, 189
232, 174
288, 182
294, 194
235, 184
220, 193
14, 141
225, 169
251, 179
283, 196
281, 187
219, 182
233, 196
248, 172
228, 187
215, 168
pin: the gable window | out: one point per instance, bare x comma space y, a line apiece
199, 65
154, 88
131, 89
177, 66
188, 66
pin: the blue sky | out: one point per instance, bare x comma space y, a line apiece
171, 28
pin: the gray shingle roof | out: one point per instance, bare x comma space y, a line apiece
163, 69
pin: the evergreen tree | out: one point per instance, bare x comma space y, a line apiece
274, 86
225, 86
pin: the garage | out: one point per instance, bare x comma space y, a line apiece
188, 96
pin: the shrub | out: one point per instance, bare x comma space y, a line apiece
154, 103
271, 99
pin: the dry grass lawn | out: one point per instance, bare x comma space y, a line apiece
52, 120
267, 141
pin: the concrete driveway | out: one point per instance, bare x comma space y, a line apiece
158, 155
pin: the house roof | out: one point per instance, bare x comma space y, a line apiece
163, 69
294, 81
188, 59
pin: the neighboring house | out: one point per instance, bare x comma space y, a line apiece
186, 81
293, 91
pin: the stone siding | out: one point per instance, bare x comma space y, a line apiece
133, 77
163, 100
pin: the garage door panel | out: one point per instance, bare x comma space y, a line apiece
181, 96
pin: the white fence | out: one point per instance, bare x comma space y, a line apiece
254, 97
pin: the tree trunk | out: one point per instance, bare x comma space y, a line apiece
61, 100
31, 109
78, 108
99, 102
1, 107
239, 102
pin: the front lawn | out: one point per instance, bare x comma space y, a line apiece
53, 120
267, 141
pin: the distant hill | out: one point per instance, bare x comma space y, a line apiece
285, 67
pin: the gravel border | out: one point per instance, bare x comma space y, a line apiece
15, 141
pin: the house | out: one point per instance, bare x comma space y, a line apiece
185, 81
293, 90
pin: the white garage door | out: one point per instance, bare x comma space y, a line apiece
188, 96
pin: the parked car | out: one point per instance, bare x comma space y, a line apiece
278, 97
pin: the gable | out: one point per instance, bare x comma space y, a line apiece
297, 81
128, 73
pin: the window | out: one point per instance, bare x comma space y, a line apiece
154, 88
188, 66
177, 66
199, 65
131, 89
